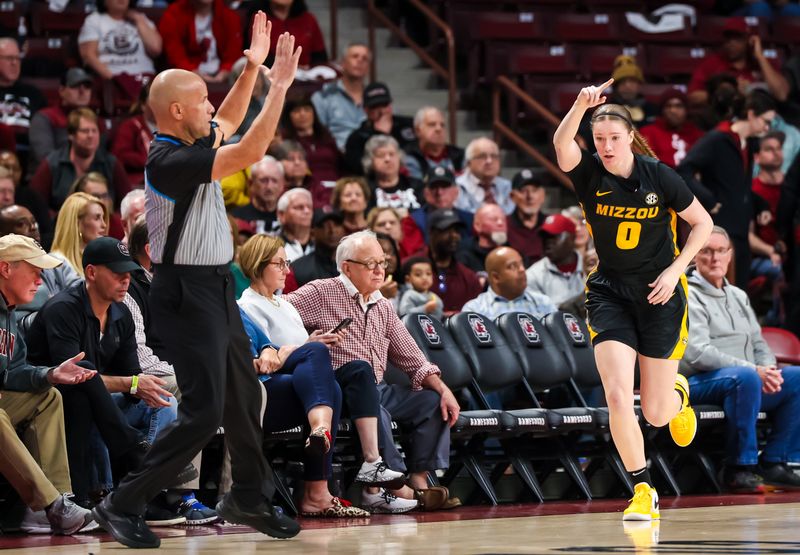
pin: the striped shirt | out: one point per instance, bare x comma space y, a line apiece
178, 181
376, 335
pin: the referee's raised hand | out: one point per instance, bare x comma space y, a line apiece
286, 60
592, 96
260, 40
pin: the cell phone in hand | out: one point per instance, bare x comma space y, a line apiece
342, 325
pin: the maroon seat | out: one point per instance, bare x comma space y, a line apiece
526, 26
598, 27
49, 56
674, 62
10, 12
562, 96
614, 6
48, 86
597, 61
543, 60
786, 30
50, 24
784, 345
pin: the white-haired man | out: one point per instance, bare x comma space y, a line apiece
295, 210
377, 336
431, 148
265, 185
131, 207
481, 182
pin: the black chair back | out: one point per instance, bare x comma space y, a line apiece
573, 335
438, 347
493, 363
540, 355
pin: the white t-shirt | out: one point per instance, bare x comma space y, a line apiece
119, 45
203, 31
282, 324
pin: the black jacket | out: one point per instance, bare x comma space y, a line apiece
66, 326
315, 265
454, 153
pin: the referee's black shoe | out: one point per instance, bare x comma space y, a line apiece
129, 530
264, 517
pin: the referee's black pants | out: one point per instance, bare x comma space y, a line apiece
196, 317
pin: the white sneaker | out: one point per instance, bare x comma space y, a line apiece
377, 473
385, 502
35, 522
67, 518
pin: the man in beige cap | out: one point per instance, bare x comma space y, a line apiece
27, 395
628, 81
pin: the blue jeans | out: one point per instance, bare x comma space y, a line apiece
738, 390
305, 381
146, 419
764, 267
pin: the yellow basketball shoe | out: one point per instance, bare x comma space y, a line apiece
644, 505
683, 426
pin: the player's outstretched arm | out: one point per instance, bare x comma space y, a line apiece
568, 152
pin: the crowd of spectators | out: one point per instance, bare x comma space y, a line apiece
354, 213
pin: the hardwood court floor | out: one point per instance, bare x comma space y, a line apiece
714, 525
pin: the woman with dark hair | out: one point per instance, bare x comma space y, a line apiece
293, 17
350, 197
114, 24
133, 137
637, 297
300, 123
722, 161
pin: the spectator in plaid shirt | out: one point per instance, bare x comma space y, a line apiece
377, 336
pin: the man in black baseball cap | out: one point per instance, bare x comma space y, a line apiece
326, 231
380, 121
452, 281
440, 193
528, 193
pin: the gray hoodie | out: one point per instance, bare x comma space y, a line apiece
15, 372
723, 329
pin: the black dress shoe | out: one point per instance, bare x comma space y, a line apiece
263, 517
780, 476
129, 530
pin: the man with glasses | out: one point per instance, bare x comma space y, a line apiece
377, 336
728, 363
18, 101
481, 182
49, 125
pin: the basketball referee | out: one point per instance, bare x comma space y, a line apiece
194, 310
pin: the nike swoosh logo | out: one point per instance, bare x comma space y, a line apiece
599, 194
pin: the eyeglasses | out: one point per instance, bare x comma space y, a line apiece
709, 252
372, 264
282, 265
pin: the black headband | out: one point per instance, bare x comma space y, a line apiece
615, 115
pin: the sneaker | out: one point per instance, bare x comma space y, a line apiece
378, 473
386, 502
683, 426
264, 517
35, 522
644, 505
129, 530
741, 480
67, 518
159, 513
780, 477
195, 512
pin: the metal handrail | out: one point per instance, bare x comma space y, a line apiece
504, 84
448, 74
334, 7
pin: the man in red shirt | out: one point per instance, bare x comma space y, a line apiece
672, 134
742, 56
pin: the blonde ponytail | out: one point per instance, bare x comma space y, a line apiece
641, 146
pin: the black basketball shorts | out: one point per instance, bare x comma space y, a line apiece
620, 312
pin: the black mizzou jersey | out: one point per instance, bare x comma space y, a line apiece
633, 220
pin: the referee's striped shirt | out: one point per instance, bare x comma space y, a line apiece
178, 186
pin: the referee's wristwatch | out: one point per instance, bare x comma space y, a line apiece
134, 385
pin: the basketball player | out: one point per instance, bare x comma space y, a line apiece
637, 296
